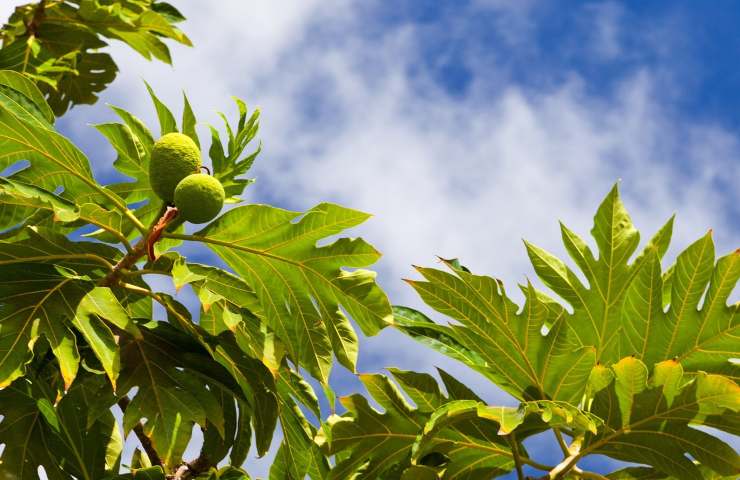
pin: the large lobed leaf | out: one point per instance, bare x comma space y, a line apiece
302, 288
622, 310
628, 306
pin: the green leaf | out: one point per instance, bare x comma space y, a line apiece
420, 387
596, 318
300, 286
54, 161
167, 122
647, 419
371, 444
257, 385
225, 473
189, 121
44, 288
625, 306
647, 473
62, 52
19, 200
529, 418
37, 433
298, 455
170, 399
21, 95
497, 338
229, 164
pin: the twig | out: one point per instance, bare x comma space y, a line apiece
190, 470
128, 261
588, 475
515, 452
561, 441
561, 469
145, 441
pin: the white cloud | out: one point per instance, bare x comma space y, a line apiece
468, 176
602, 25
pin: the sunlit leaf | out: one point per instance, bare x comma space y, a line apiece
302, 288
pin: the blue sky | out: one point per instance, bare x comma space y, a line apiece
464, 126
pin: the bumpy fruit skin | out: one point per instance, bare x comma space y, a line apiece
174, 157
199, 198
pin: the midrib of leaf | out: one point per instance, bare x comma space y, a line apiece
275, 308
387, 436
151, 377
675, 437
325, 310
28, 437
398, 453
88, 219
469, 467
649, 319
89, 256
566, 374
607, 298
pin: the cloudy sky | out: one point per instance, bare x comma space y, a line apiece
464, 126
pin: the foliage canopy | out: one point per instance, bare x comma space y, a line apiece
632, 361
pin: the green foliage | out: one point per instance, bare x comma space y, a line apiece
57, 43
637, 363
634, 408
87, 308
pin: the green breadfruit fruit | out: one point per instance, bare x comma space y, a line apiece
199, 198
174, 157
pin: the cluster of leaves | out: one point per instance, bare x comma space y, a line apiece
77, 312
56, 43
641, 353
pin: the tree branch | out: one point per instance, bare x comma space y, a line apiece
145, 441
144, 246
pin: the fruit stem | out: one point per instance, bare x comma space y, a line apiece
156, 233
145, 246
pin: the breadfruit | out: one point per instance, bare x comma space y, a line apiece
174, 157
199, 198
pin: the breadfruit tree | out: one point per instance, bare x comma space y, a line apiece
635, 363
